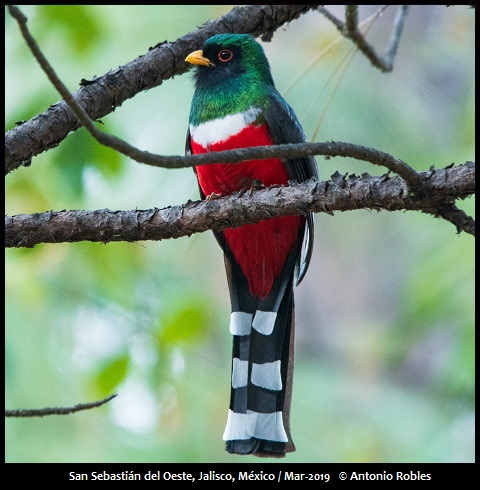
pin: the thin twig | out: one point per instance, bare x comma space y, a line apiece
398, 25
42, 412
351, 19
80, 114
344, 65
350, 30
338, 23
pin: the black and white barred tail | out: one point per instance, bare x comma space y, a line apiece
262, 365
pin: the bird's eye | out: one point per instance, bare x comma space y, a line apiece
225, 55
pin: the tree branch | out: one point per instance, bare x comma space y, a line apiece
102, 95
350, 29
41, 412
341, 193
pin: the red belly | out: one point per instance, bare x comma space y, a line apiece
260, 249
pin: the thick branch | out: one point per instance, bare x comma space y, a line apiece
342, 193
102, 95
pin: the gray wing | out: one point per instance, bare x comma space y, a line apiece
285, 128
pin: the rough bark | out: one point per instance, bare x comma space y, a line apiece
342, 193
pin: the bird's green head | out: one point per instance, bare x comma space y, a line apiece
232, 74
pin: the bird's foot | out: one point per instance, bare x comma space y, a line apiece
213, 196
256, 186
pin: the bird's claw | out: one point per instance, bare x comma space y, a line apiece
213, 196
256, 186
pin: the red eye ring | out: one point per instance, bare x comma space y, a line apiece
225, 55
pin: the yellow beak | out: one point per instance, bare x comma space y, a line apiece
197, 58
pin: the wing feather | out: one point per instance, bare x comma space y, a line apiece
285, 128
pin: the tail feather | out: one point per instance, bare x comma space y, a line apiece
262, 366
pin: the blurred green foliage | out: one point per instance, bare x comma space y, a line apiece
385, 316
77, 24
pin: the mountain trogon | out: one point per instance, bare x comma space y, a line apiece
236, 105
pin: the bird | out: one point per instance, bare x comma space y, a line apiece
235, 105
